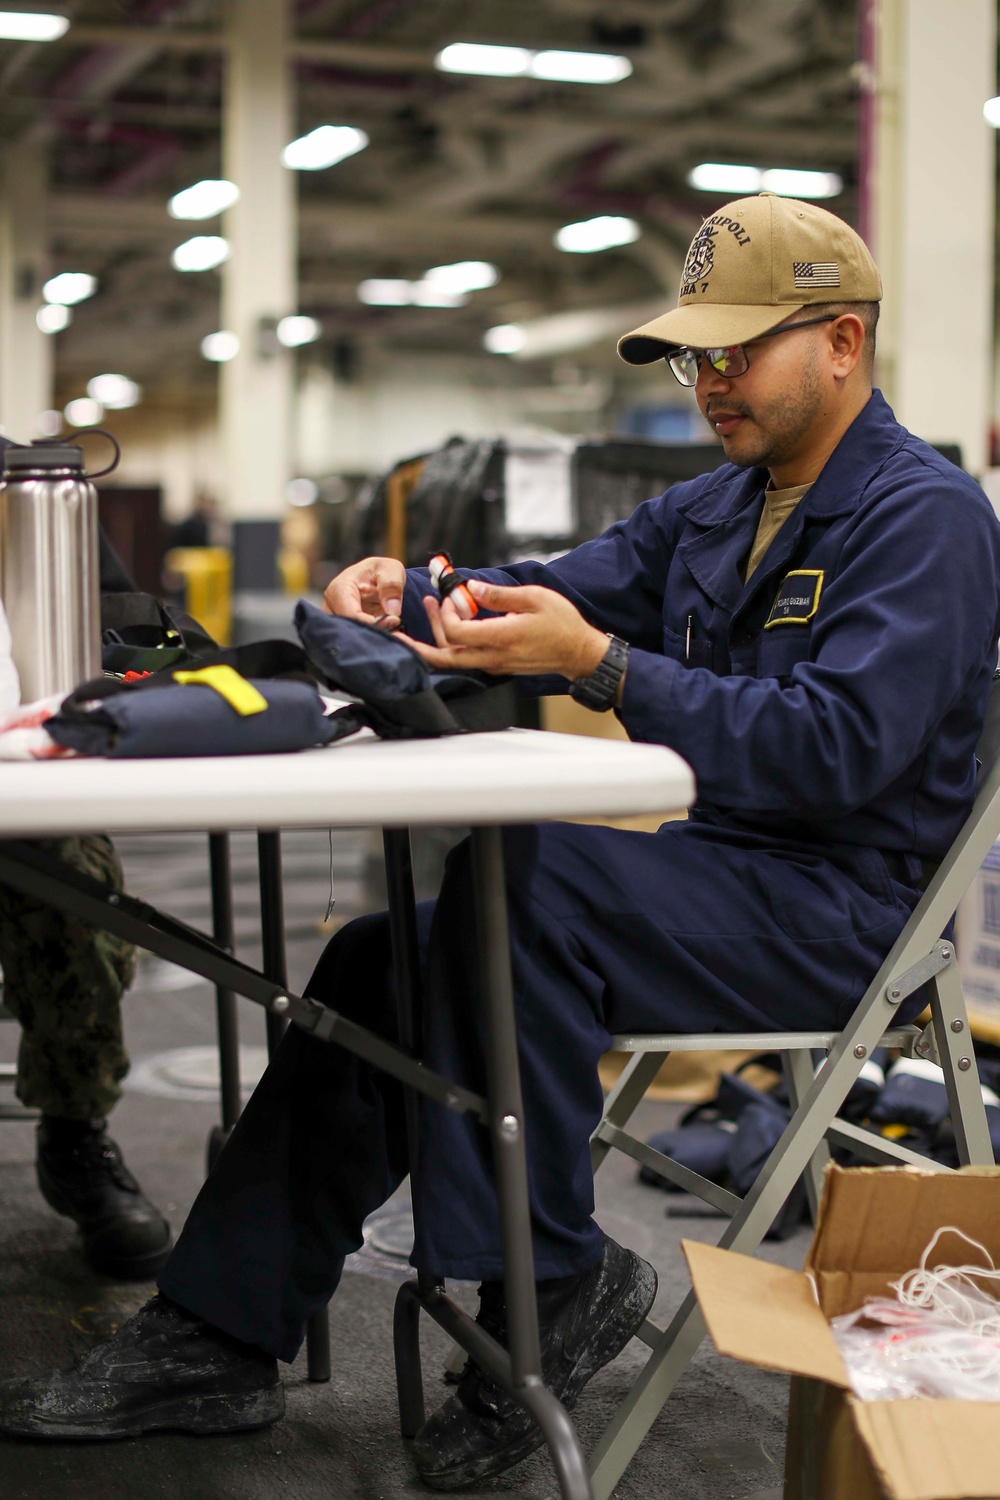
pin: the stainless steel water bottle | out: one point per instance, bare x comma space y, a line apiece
49, 566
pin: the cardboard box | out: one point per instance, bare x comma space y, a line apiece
874, 1224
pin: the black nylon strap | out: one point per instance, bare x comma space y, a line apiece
122, 658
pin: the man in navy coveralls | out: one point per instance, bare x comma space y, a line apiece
814, 628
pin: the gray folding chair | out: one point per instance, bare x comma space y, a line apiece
919, 956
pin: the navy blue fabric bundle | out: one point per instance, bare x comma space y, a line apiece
728, 1140
403, 698
360, 659
175, 720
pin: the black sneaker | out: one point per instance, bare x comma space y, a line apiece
82, 1175
163, 1370
584, 1321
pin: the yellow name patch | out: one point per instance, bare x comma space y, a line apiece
798, 598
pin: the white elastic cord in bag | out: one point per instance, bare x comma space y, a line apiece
939, 1338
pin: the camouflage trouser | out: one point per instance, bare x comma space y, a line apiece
64, 982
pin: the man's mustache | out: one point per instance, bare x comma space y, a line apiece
717, 409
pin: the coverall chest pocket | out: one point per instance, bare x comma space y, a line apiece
781, 649
690, 648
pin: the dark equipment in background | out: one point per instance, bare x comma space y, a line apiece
455, 499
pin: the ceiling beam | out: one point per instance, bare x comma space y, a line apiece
367, 56
85, 213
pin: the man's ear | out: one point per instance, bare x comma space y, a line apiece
846, 341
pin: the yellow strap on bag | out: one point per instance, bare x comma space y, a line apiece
227, 682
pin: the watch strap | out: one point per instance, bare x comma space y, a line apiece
598, 691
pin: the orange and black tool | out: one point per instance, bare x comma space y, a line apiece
448, 585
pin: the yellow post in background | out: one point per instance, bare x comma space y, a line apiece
208, 587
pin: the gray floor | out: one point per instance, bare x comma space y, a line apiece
721, 1434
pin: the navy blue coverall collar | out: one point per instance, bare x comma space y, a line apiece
714, 558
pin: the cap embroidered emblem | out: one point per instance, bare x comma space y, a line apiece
807, 273
701, 255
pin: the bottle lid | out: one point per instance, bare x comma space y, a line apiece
42, 454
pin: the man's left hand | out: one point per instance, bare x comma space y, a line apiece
535, 631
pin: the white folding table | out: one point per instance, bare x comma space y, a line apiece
479, 780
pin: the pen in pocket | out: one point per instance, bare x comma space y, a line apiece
687, 640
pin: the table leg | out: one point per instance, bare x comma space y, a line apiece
227, 1022
272, 914
510, 1165
519, 1369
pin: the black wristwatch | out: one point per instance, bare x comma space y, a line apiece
599, 690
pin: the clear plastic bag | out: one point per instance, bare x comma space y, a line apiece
939, 1338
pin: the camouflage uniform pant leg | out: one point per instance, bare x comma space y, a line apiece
64, 982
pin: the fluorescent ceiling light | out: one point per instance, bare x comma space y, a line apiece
202, 253
296, 330
602, 233
383, 291
462, 276
991, 112
205, 199
83, 412
580, 67
70, 287
427, 294
220, 347
395, 292
323, 147
488, 62
504, 338
53, 317
301, 491
788, 182
116, 392
721, 177
558, 66
31, 26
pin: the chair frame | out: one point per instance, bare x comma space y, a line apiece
919, 956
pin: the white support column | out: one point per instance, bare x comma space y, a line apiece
25, 352
259, 279
934, 216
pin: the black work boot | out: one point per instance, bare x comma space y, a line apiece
584, 1321
164, 1369
82, 1175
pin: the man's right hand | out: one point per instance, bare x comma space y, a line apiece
369, 590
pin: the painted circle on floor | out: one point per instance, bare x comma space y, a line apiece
192, 1073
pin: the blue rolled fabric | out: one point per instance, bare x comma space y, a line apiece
403, 697
194, 721
360, 659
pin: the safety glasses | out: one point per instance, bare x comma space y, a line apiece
730, 361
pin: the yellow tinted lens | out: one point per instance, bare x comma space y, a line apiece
728, 361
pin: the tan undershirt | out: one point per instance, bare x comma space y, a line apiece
778, 506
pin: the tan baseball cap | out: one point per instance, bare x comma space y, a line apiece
751, 265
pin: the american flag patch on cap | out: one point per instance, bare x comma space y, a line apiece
808, 273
